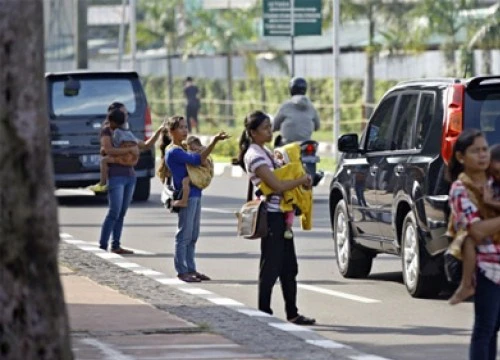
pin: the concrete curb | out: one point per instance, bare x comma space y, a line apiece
259, 332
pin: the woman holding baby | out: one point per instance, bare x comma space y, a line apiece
177, 159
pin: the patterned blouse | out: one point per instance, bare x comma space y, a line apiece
464, 214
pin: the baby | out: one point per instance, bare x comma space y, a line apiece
299, 198
281, 158
199, 176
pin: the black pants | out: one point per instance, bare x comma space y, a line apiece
278, 259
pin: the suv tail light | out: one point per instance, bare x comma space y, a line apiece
453, 125
148, 125
310, 149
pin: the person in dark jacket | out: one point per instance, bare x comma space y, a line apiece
193, 104
296, 118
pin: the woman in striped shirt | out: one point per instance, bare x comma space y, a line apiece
278, 258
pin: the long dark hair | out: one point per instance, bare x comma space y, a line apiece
252, 122
465, 139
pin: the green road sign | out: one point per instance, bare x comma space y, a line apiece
306, 16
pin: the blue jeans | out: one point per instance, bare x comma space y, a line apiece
188, 229
486, 319
120, 192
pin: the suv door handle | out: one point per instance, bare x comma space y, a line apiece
399, 169
373, 169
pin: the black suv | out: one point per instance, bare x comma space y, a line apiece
389, 193
77, 105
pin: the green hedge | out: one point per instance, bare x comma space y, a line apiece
271, 92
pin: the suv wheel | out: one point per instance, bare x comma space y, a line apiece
351, 261
414, 258
142, 189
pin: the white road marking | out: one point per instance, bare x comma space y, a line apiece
289, 327
90, 248
338, 294
225, 301
328, 344
170, 281
184, 346
254, 313
108, 352
367, 357
105, 255
75, 242
196, 291
147, 272
128, 265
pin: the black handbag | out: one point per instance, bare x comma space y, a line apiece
169, 194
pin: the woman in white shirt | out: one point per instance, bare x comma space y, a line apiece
278, 258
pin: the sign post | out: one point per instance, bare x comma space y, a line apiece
279, 15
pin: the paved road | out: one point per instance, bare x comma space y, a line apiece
374, 315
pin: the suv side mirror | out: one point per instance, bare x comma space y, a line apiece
348, 143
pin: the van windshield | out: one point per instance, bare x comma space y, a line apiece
93, 97
482, 111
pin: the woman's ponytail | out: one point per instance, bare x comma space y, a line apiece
243, 145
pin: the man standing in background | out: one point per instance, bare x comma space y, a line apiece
193, 104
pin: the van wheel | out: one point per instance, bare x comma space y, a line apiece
352, 261
414, 258
142, 189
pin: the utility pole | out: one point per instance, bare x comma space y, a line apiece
81, 55
121, 36
336, 77
133, 39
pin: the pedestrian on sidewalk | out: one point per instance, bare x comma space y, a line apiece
193, 104
278, 258
188, 225
121, 179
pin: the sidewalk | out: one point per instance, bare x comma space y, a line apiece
106, 324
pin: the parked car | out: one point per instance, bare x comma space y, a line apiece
77, 106
390, 194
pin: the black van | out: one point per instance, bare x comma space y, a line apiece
77, 105
389, 193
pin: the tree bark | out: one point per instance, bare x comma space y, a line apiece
33, 318
369, 81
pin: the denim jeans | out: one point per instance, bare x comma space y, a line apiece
120, 192
188, 229
486, 319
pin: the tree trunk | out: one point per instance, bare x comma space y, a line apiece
230, 116
170, 81
33, 318
486, 68
369, 93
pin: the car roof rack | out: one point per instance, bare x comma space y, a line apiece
446, 80
476, 81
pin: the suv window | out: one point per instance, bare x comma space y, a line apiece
482, 111
379, 135
93, 97
424, 118
405, 118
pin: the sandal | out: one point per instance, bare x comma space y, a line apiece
200, 276
302, 320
